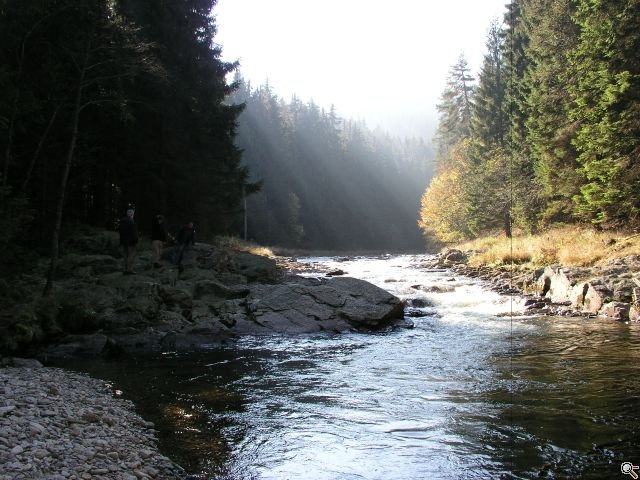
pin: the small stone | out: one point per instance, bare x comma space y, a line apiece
41, 453
145, 453
53, 390
6, 410
90, 417
141, 475
114, 456
17, 450
152, 472
36, 428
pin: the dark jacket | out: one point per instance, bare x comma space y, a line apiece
186, 235
128, 232
158, 230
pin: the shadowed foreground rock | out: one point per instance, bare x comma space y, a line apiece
220, 294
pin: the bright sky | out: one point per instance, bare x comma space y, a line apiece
382, 61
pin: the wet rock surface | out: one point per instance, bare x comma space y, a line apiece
610, 290
57, 425
218, 295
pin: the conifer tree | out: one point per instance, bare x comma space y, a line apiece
606, 107
454, 109
489, 120
550, 132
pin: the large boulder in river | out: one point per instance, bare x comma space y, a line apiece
312, 305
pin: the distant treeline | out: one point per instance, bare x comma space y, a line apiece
550, 131
328, 182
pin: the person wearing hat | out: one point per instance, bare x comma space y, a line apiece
128, 240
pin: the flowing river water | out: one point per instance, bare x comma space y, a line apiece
471, 392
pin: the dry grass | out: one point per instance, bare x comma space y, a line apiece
237, 244
570, 246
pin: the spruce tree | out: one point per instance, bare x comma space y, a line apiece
454, 109
606, 108
550, 132
489, 120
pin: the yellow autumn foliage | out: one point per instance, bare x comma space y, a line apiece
442, 212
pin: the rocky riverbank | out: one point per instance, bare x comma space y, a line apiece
610, 290
59, 425
222, 293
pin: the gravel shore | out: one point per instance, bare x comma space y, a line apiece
57, 425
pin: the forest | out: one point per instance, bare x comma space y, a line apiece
549, 131
105, 104
327, 182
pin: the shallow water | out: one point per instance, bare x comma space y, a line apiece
466, 393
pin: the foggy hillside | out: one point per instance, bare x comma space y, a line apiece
328, 182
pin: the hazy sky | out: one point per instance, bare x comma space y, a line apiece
380, 60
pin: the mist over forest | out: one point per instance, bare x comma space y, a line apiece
327, 182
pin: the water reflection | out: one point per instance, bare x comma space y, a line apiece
465, 394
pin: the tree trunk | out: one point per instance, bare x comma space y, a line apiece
55, 237
36, 154
507, 224
8, 154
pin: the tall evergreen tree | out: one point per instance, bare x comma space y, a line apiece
516, 63
489, 120
552, 35
607, 109
454, 109
524, 198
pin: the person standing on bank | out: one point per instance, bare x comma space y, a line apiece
128, 240
158, 237
186, 236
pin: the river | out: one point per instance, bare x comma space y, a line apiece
473, 391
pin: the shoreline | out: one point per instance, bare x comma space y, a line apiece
611, 290
57, 424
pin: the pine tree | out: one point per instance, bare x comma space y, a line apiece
516, 64
454, 109
489, 120
607, 110
525, 198
550, 132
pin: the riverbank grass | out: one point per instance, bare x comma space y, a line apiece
569, 246
239, 245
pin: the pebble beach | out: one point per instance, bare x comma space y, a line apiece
58, 425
